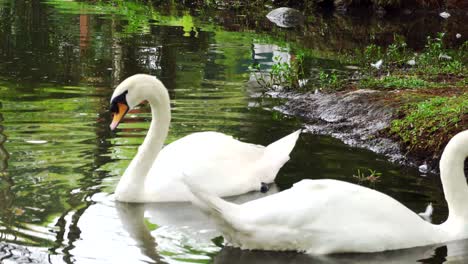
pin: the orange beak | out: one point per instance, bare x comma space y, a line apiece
123, 109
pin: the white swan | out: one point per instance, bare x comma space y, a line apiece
219, 163
329, 216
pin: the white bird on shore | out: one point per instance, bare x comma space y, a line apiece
378, 64
330, 216
220, 163
444, 15
444, 56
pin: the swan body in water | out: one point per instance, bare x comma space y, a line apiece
220, 164
330, 216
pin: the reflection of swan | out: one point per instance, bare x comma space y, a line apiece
133, 221
221, 164
329, 216
453, 251
176, 220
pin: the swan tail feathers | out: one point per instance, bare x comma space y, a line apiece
283, 145
277, 153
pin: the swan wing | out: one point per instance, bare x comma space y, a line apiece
220, 163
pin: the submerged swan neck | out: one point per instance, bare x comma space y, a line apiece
131, 185
453, 177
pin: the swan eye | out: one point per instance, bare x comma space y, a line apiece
114, 108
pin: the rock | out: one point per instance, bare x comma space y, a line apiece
424, 168
286, 17
354, 117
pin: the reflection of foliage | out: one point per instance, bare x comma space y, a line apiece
282, 74
140, 16
149, 225
45, 174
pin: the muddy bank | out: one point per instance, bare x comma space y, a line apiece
358, 118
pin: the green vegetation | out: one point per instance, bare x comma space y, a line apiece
396, 82
432, 83
329, 80
372, 178
402, 68
431, 122
282, 74
425, 122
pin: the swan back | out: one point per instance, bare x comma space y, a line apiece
320, 217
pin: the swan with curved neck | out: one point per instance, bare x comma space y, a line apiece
218, 162
329, 216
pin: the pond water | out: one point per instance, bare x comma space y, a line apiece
59, 163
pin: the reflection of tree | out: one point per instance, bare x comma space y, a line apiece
66, 53
116, 57
6, 194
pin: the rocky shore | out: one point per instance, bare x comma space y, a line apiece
360, 118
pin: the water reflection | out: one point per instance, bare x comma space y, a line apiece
454, 252
168, 231
6, 194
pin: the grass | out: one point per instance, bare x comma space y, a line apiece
435, 62
396, 82
435, 66
372, 178
434, 106
433, 102
329, 80
429, 124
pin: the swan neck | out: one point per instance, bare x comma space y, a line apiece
157, 133
453, 180
131, 185
158, 130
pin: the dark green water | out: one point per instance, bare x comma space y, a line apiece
59, 163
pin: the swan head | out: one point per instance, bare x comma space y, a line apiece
130, 93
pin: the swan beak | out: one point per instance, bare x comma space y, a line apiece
123, 109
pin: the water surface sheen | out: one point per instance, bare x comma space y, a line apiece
59, 163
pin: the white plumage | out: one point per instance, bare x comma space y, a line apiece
219, 163
330, 216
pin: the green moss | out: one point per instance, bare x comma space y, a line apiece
395, 82
428, 124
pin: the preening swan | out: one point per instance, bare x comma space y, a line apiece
220, 164
329, 216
